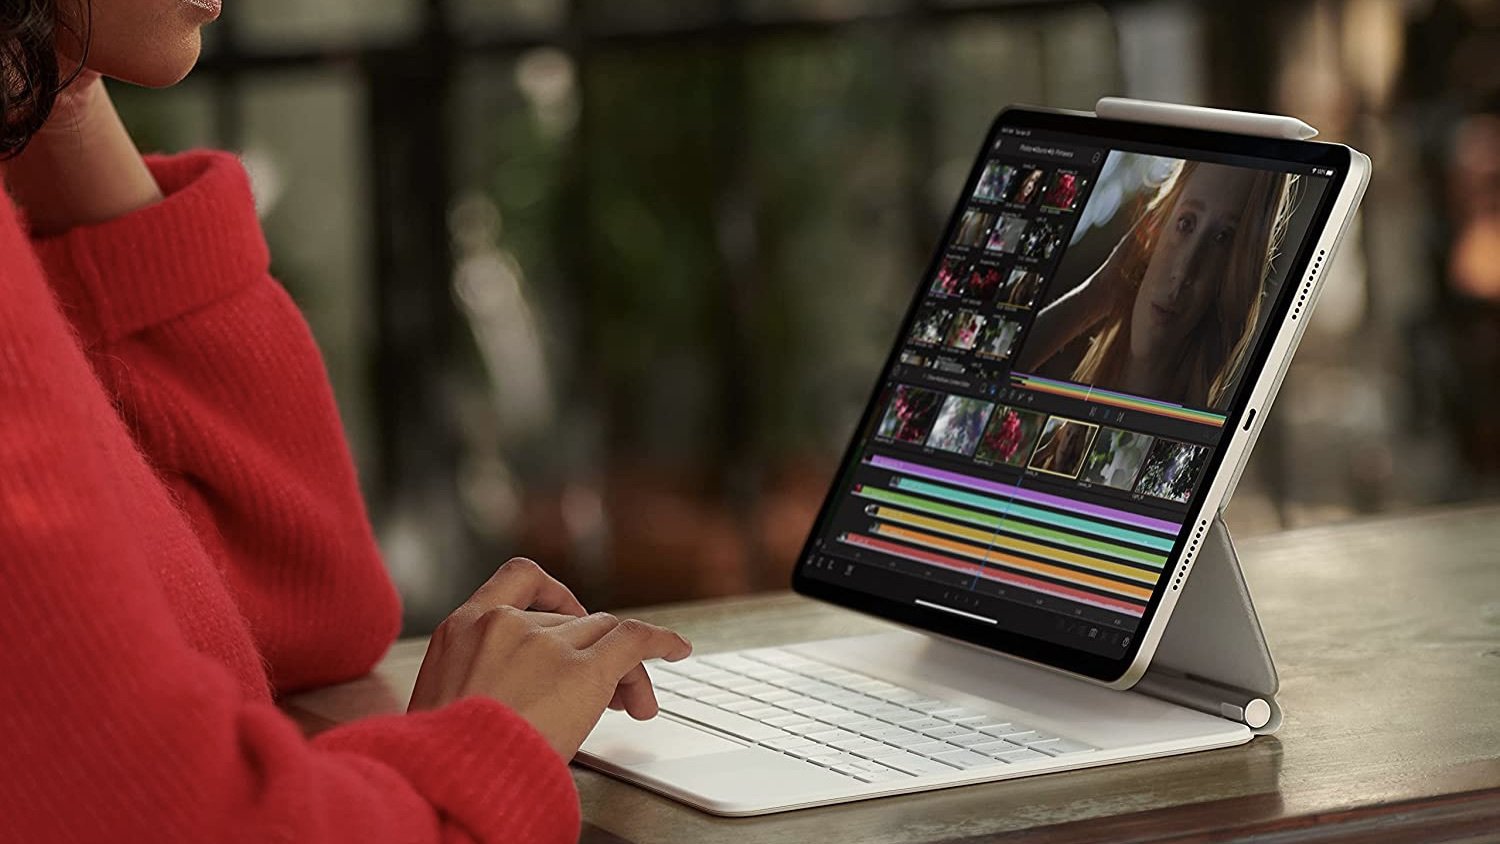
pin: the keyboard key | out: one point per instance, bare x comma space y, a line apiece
797, 700
804, 728
781, 659
881, 751
844, 699
928, 705
964, 759
757, 689
789, 743
805, 752
893, 734
947, 731
968, 739
872, 686
788, 721
763, 712
915, 765
826, 760
925, 724
725, 662
695, 689
883, 775
972, 721
1039, 737
1022, 736
721, 698
775, 696
1021, 754
1006, 730
735, 725
953, 713
992, 725
1060, 746
930, 748
990, 748
866, 726
904, 717
910, 741
844, 718
742, 705
855, 745
901, 696
831, 736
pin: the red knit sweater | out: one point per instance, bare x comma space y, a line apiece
182, 538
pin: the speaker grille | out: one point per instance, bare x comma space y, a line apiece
1190, 555
1312, 277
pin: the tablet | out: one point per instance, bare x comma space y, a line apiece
1077, 384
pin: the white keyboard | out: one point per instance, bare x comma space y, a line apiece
849, 723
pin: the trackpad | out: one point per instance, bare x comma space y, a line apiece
623, 740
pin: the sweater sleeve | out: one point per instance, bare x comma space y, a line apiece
116, 728
215, 371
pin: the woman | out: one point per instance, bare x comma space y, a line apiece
1174, 308
181, 534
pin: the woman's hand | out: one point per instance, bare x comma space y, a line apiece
81, 167
524, 640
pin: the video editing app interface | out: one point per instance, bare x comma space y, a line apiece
1064, 384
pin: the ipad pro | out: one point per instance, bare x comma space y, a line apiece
1077, 383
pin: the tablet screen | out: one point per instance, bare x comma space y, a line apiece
1030, 463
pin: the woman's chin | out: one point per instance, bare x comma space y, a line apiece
162, 66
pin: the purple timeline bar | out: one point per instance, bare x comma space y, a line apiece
1009, 491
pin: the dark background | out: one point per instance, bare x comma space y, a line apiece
607, 283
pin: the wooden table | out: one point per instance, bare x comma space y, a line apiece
1387, 636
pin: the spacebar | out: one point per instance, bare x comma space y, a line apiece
735, 725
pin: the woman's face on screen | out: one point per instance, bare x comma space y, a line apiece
146, 42
1186, 269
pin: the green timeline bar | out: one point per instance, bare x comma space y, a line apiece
1024, 511
1015, 527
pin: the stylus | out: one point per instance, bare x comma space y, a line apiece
1197, 117
1203, 696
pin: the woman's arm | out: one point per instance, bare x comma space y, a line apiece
116, 726
214, 370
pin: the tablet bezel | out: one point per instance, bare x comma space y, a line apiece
1260, 369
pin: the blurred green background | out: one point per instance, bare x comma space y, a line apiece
607, 283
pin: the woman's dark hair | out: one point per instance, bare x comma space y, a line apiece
30, 78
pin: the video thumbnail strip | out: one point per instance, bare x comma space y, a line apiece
1014, 528
1021, 511
1097, 511
993, 540
1056, 590
1121, 400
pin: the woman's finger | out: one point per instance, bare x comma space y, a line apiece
634, 693
522, 584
